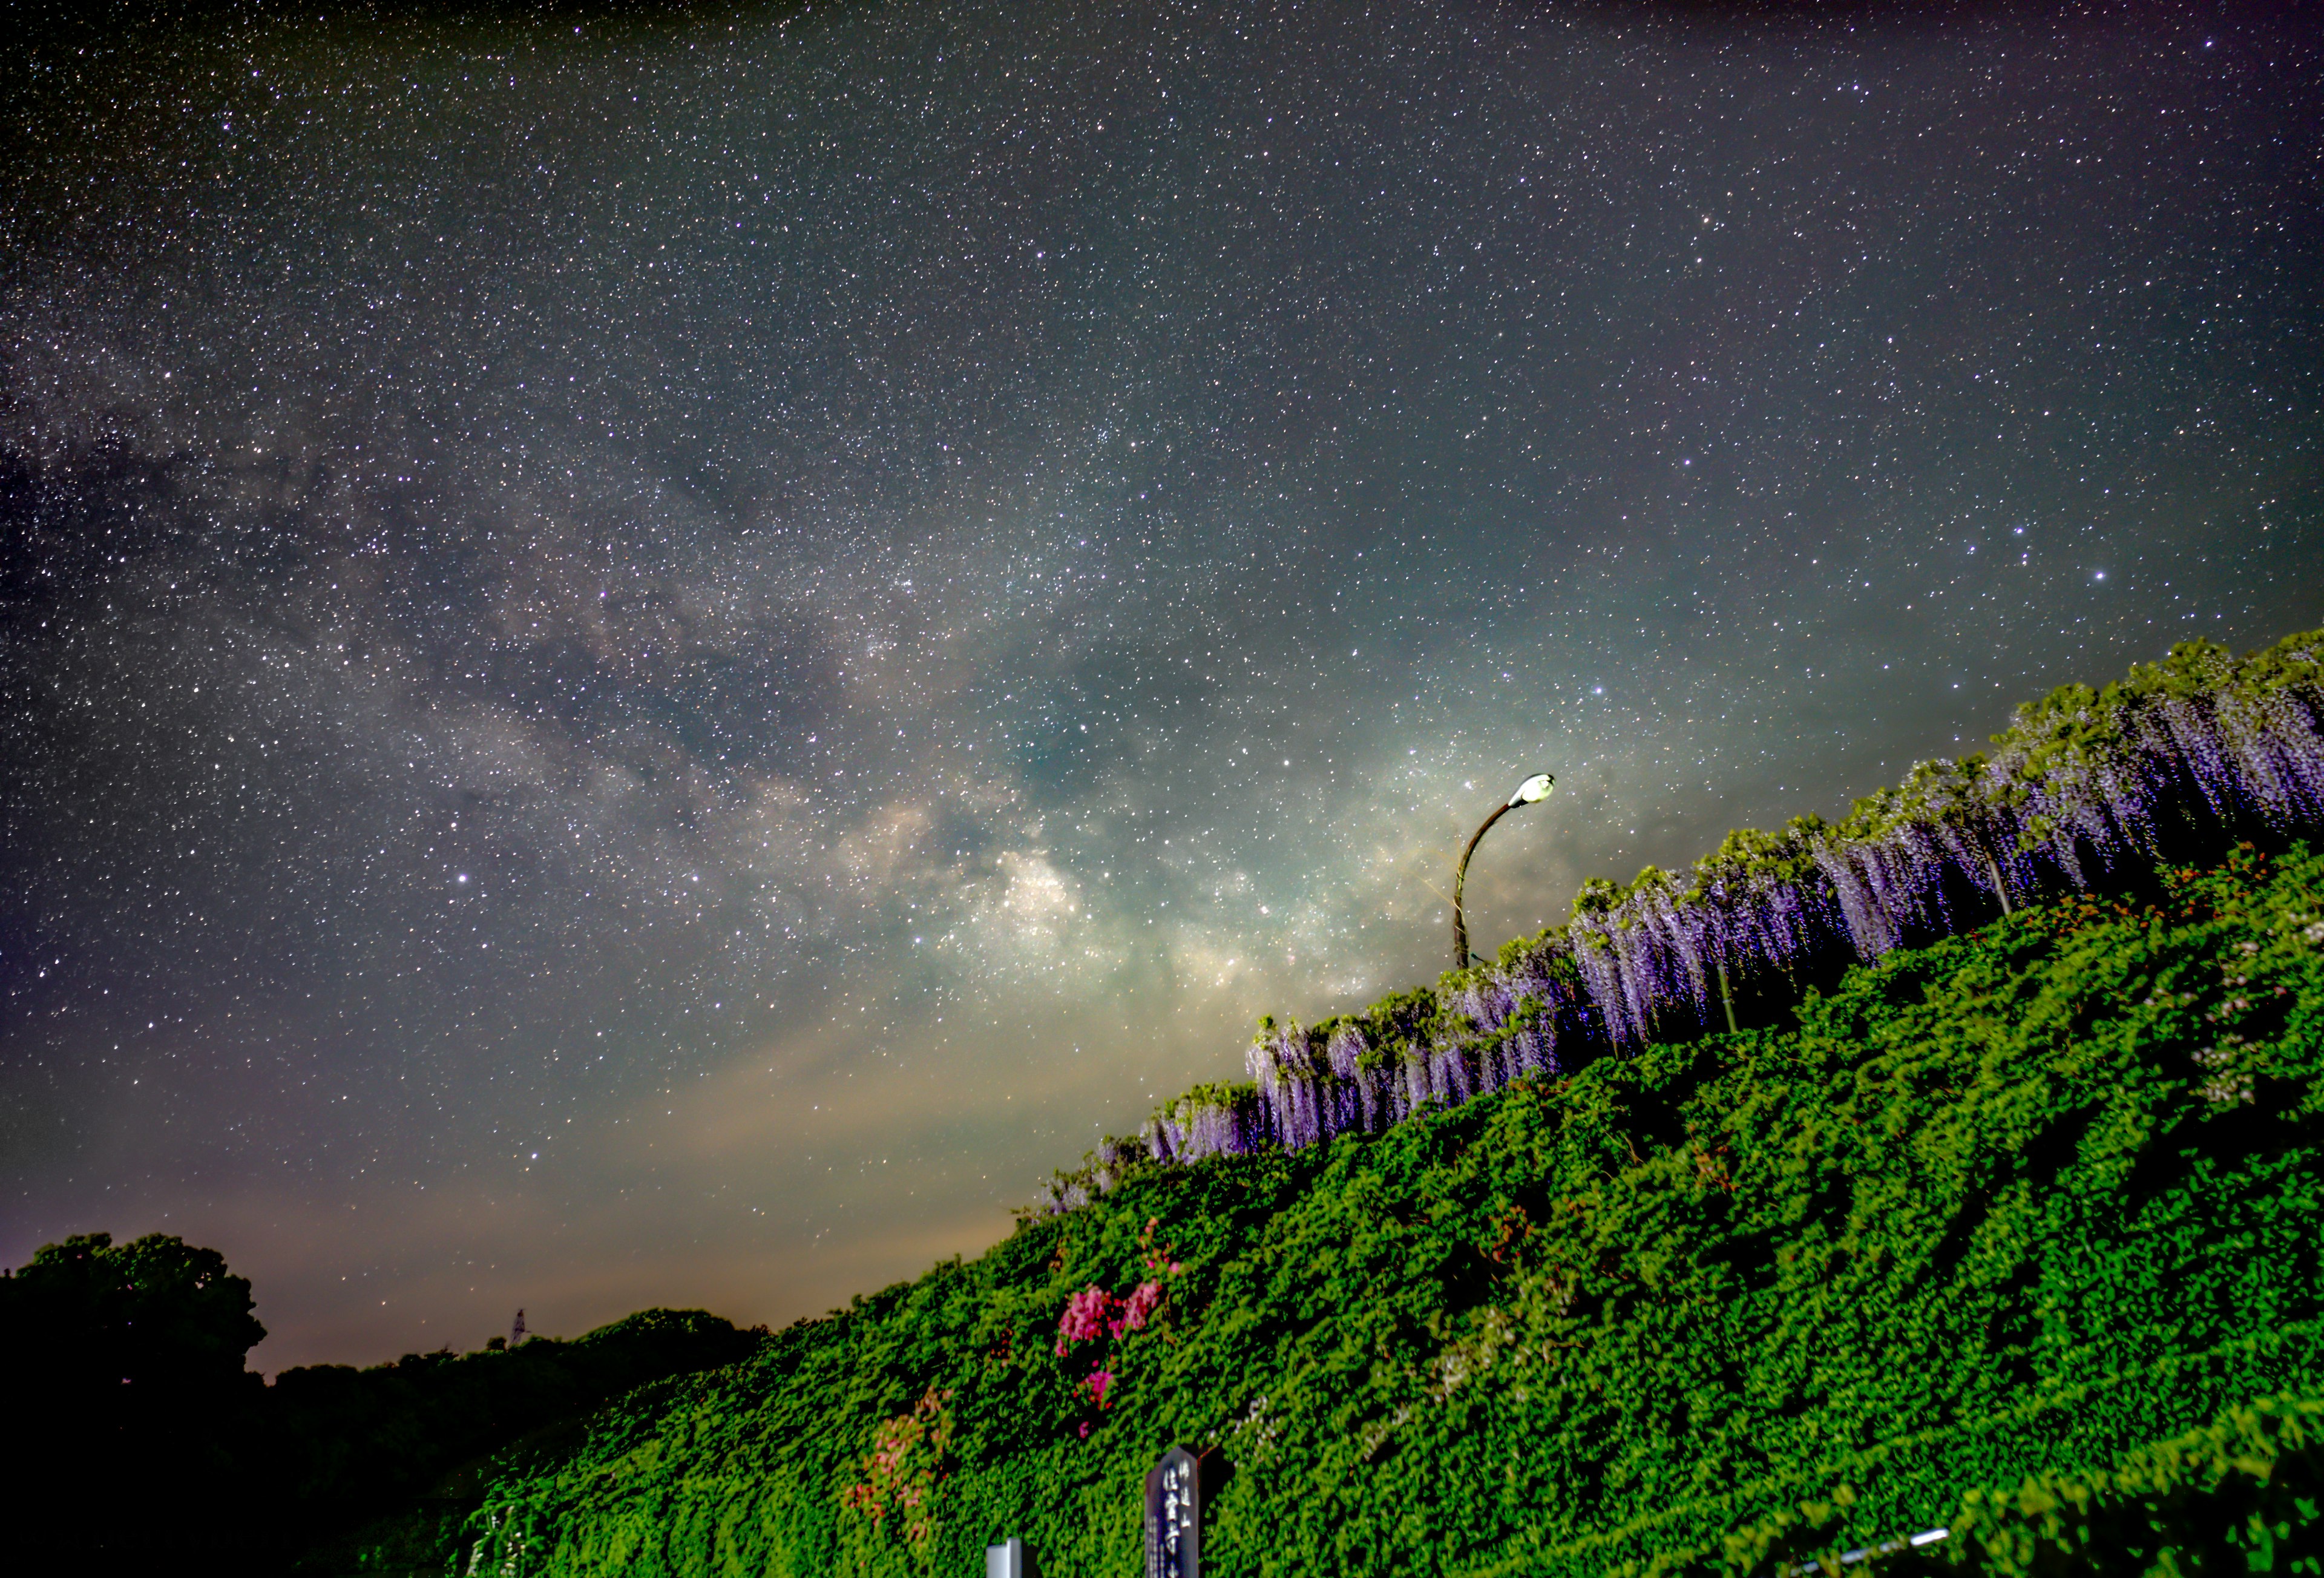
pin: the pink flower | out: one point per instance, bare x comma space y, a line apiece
1084, 1319
1099, 1379
1141, 1304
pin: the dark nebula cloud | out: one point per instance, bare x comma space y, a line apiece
654, 660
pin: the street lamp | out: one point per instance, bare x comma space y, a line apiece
1536, 788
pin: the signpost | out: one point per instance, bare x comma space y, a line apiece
1174, 1517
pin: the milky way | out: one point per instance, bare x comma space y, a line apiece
657, 663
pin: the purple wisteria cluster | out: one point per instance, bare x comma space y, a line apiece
2180, 755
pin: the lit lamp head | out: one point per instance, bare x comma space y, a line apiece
1536, 788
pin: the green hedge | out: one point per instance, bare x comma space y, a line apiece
2009, 1205
2245, 1494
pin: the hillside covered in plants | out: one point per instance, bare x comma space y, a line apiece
2019, 1203
2085, 789
2011, 1232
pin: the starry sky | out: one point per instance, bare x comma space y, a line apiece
657, 659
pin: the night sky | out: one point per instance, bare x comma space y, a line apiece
656, 661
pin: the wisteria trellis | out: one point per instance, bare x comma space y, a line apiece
2199, 747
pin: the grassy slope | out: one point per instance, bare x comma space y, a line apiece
2016, 1201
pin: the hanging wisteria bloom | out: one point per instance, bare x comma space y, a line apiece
2190, 753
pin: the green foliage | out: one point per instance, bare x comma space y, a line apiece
1989, 1213
910, 1455
2243, 1494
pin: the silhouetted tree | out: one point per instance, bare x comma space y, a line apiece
137, 1441
132, 1411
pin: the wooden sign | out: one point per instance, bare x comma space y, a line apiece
1174, 1517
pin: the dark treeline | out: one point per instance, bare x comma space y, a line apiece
141, 1442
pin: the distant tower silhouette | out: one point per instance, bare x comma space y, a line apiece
516, 1332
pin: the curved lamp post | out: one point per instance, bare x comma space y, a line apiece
1536, 788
